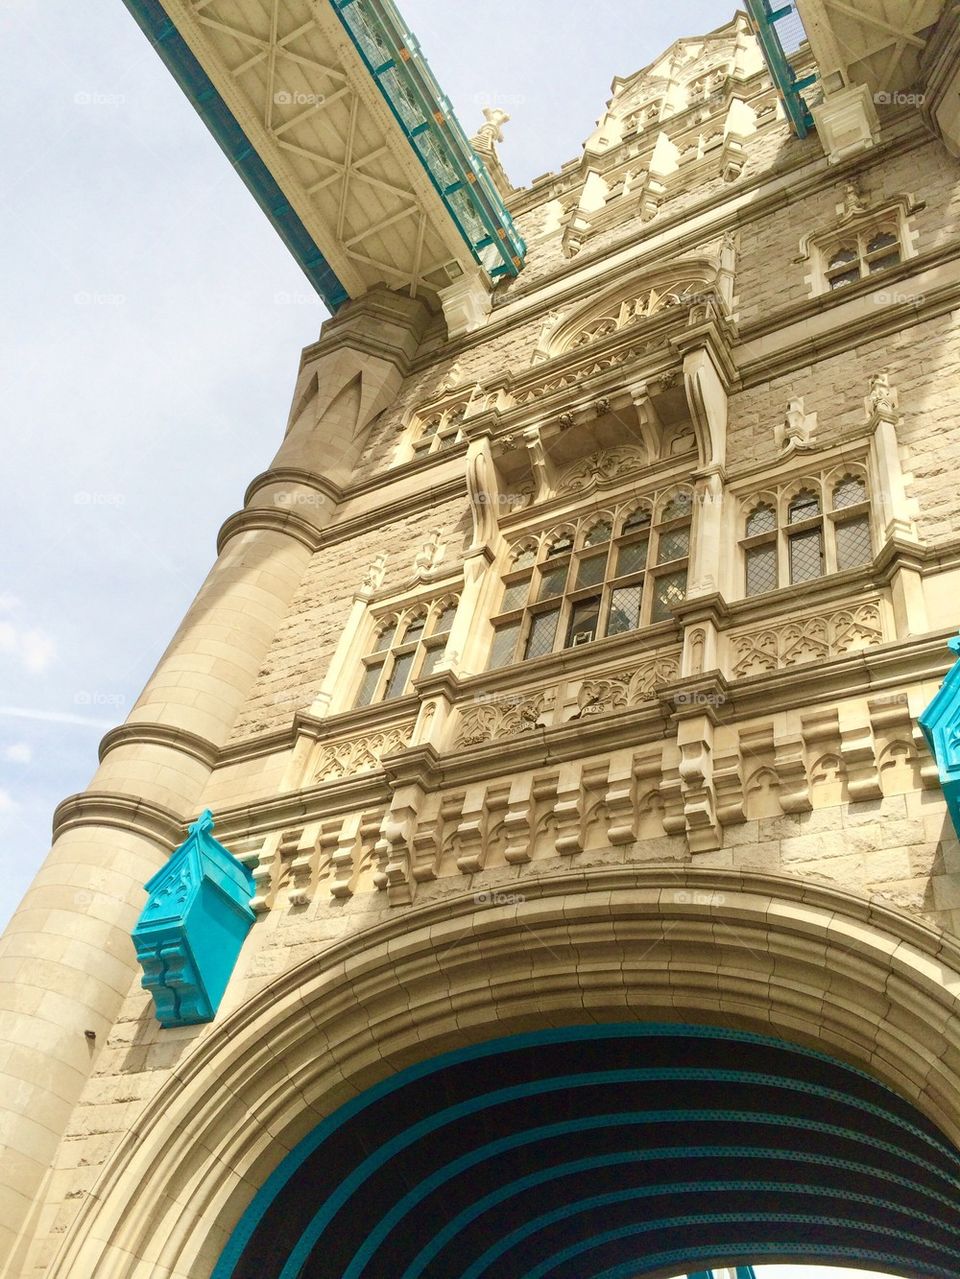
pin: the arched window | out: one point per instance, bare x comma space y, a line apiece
760, 549
811, 542
603, 581
857, 255
851, 522
805, 538
405, 650
441, 431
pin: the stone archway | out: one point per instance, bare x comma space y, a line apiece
806, 965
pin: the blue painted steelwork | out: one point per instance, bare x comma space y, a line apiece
220, 120
193, 926
764, 18
452, 1115
940, 723
424, 113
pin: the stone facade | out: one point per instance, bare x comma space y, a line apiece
733, 795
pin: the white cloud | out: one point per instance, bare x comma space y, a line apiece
37, 650
33, 648
18, 753
54, 717
7, 802
8, 602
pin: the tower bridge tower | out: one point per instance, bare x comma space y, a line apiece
547, 805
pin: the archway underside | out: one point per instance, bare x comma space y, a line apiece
609, 1152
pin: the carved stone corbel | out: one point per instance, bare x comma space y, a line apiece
858, 750
790, 767
728, 788
707, 403
568, 810
518, 822
483, 492
394, 849
543, 477
648, 420
620, 800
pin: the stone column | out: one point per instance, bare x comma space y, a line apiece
66, 959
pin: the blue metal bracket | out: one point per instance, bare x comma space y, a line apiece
393, 58
940, 723
763, 18
219, 119
189, 936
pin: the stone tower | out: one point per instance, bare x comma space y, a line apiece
583, 897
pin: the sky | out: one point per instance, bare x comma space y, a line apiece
150, 337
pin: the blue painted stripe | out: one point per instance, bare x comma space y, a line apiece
454, 1114
493, 1254
287, 1168
179, 60
536, 1179
543, 1269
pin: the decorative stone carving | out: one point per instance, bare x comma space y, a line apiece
360, 754
603, 467
626, 688
506, 717
430, 555
622, 314
882, 397
373, 577
809, 639
797, 430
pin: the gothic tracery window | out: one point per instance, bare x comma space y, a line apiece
440, 431
806, 541
405, 648
578, 584
859, 254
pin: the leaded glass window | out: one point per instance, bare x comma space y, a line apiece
440, 431
403, 650
857, 255
601, 580
810, 542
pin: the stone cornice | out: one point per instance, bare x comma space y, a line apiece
134, 733
276, 520
122, 812
293, 475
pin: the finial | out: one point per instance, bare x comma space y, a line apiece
203, 825
492, 131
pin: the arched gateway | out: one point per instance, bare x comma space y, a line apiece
614, 1077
